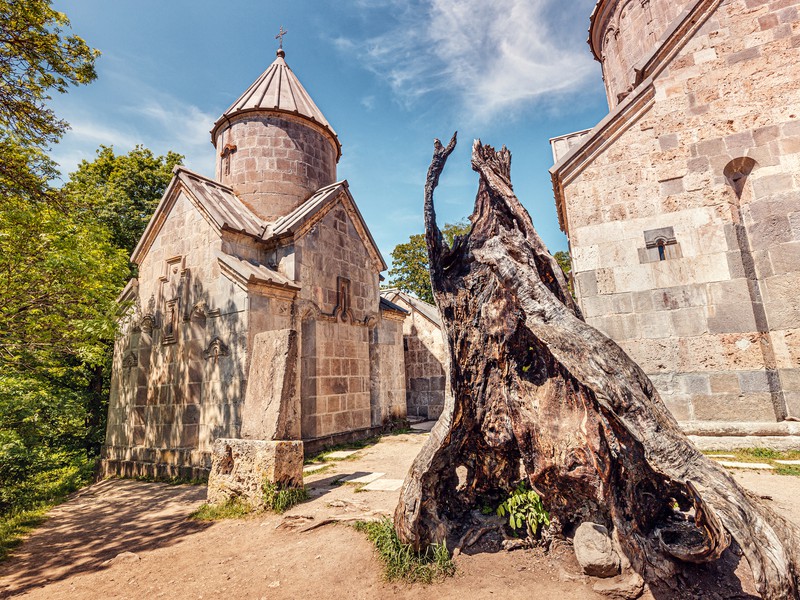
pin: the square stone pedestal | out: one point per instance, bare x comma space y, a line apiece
239, 469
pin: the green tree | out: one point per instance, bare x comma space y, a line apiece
59, 270
37, 56
59, 278
123, 190
564, 261
410, 270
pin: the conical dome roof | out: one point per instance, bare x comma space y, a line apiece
277, 90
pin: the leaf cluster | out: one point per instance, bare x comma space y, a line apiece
37, 56
525, 510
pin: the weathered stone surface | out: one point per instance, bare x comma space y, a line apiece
594, 550
271, 408
725, 188
622, 587
239, 469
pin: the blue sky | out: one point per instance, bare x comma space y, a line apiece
389, 75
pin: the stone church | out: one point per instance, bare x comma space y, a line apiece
257, 311
682, 208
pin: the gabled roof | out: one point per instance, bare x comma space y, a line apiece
277, 90
246, 272
429, 311
386, 304
214, 200
313, 209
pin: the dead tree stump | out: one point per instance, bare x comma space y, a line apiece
539, 394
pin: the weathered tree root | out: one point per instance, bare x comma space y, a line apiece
535, 386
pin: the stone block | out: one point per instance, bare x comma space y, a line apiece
734, 407
239, 469
724, 383
731, 318
753, 381
656, 324
696, 383
689, 322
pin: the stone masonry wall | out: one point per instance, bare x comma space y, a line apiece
715, 324
628, 30
278, 162
335, 338
425, 367
388, 376
180, 363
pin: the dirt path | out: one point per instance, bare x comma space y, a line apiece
126, 539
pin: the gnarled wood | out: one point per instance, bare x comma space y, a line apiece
538, 393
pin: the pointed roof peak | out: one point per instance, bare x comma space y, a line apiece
277, 90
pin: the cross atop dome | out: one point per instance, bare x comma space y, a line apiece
281, 32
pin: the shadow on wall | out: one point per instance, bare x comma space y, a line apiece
98, 523
178, 380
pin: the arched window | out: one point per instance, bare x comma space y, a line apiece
662, 254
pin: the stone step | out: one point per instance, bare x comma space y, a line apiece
313, 468
744, 465
788, 462
340, 454
368, 478
384, 485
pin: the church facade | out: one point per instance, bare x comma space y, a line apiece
682, 208
257, 311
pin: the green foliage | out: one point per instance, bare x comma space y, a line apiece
792, 470
564, 261
399, 559
37, 57
279, 499
59, 278
525, 510
410, 270
234, 508
61, 268
122, 191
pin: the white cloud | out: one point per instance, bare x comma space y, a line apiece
494, 57
153, 119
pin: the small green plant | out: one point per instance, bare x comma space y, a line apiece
234, 508
400, 562
788, 470
525, 510
279, 499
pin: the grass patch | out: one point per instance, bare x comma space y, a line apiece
235, 508
326, 469
32, 499
763, 455
400, 562
15, 526
279, 499
359, 445
788, 470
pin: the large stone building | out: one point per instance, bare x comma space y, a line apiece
257, 311
682, 207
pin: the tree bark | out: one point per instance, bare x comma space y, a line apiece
539, 394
